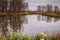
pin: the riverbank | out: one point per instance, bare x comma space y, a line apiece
51, 14
57, 15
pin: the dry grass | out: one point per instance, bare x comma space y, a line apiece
54, 37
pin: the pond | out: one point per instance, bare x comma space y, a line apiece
28, 24
40, 23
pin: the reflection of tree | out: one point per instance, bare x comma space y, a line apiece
43, 17
56, 19
48, 19
15, 24
25, 20
3, 26
38, 17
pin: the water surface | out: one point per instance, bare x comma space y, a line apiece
39, 23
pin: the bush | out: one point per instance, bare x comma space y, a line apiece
16, 37
27, 38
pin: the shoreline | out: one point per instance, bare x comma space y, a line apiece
31, 13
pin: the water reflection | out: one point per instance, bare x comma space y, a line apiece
25, 24
56, 19
41, 23
11, 24
47, 18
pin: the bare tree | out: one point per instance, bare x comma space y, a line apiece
25, 6
49, 8
56, 9
43, 8
0, 5
39, 8
17, 5
13, 5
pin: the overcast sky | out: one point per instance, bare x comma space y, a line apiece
34, 3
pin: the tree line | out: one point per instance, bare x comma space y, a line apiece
48, 8
12, 5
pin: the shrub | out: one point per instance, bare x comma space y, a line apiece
16, 37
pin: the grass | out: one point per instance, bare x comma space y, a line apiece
40, 36
54, 37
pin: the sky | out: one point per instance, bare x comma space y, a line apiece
34, 3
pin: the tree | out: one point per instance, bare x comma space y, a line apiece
0, 5
56, 9
12, 5
3, 5
25, 6
15, 20
43, 8
39, 8
17, 5
49, 8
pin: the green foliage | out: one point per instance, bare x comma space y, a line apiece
16, 37
40, 36
27, 38
20, 37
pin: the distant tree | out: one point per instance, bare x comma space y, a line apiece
56, 9
49, 8
39, 8
25, 6
43, 8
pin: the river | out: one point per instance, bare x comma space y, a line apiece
28, 24
40, 23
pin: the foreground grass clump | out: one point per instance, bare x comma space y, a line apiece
16, 37
54, 37
39, 36
27, 38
